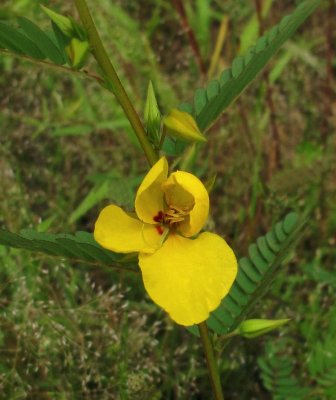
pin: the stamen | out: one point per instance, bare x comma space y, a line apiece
175, 215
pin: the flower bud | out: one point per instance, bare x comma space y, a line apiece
63, 23
152, 114
252, 328
183, 126
67, 25
77, 52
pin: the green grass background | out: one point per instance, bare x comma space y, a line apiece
73, 331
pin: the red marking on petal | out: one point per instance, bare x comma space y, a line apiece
159, 229
159, 217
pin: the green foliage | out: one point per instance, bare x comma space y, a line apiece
14, 40
65, 24
289, 371
80, 247
322, 365
211, 101
31, 41
42, 41
89, 350
200, 17
250, 32
282, 374
60, 48
110, 186
63, 334
71, 37
256, 273
278, 377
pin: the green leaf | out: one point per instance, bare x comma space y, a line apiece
322, 363
96, 194
208, 105
202, 25
14, 40
278, 377
255, 274
81, 246
42, 41
62, 41
279, 66
250, 33
116, 189
73, 130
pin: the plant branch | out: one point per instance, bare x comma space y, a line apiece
211, 362
61, 68
112, 79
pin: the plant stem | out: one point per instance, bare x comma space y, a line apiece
100, 54
43, 63
211, 362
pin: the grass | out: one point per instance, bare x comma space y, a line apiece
71, 331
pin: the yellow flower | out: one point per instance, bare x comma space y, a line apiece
186, 277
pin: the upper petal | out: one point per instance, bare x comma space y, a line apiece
150, 198
117, 231
189, 278
185, 190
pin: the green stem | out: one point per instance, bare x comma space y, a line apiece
105, 64
211, 362
61, 68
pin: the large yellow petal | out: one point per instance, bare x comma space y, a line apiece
189, 278
184, 190
117, 231
149, 199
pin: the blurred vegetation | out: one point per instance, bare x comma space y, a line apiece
72, 331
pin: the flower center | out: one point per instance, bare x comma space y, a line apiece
170, 218
175, 215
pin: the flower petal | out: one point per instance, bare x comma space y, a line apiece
117, 231
189, 278
184, 190
150, 198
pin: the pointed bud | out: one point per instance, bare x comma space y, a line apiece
183, 126
252, 328
63, 23
77, 52
152, 114
67, 25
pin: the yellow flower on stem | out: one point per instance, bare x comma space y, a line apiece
186, 276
